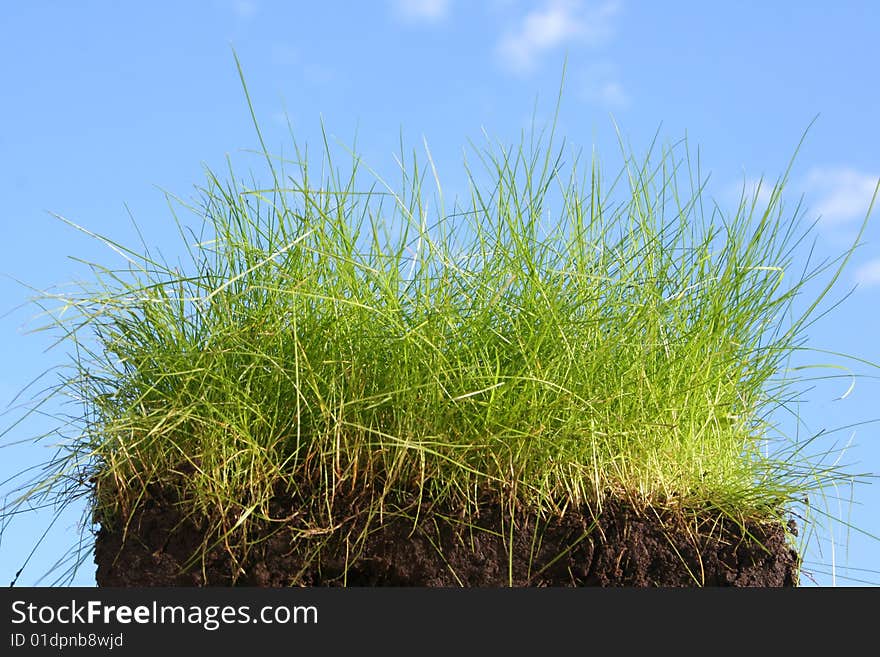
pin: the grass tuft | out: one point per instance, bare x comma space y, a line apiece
553, 340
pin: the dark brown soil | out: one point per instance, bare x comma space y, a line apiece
617, 547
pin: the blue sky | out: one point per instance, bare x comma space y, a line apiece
107, 103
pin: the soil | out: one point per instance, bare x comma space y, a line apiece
619, 546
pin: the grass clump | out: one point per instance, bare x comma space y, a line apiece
554, 339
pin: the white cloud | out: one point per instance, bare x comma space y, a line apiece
556, 23
245, 8
598, 83
612, 94
868, 275
748, 190
843, 194
429, 11
751, 187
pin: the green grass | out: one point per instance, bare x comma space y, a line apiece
553, 339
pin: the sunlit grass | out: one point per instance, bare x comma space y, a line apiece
554, 339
